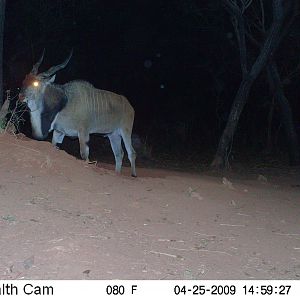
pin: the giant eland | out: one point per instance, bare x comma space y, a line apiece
77, 109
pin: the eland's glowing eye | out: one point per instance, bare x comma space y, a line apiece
36, 83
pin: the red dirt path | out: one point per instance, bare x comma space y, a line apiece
61, 218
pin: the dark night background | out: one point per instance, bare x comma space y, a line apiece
176, 61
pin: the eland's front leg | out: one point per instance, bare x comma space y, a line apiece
83, 143
57, 138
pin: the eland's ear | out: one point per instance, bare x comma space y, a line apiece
51, 79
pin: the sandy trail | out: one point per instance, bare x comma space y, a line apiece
63, 219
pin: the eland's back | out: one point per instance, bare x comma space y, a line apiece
99, 110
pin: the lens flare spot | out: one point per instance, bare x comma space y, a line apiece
36, 83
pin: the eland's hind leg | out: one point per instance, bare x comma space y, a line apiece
116, 145
126, 135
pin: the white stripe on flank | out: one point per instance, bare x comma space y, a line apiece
86, 99
94, 101
97, 111
94, 104
106, 108
82, 99
96, 107
102, 105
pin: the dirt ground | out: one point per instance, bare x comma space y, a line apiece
61, 218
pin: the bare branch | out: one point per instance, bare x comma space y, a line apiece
272, 40
239, 26
262, 15
245, 4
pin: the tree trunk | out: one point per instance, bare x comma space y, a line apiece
286, 113
2, 15
269, 46
221, 159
